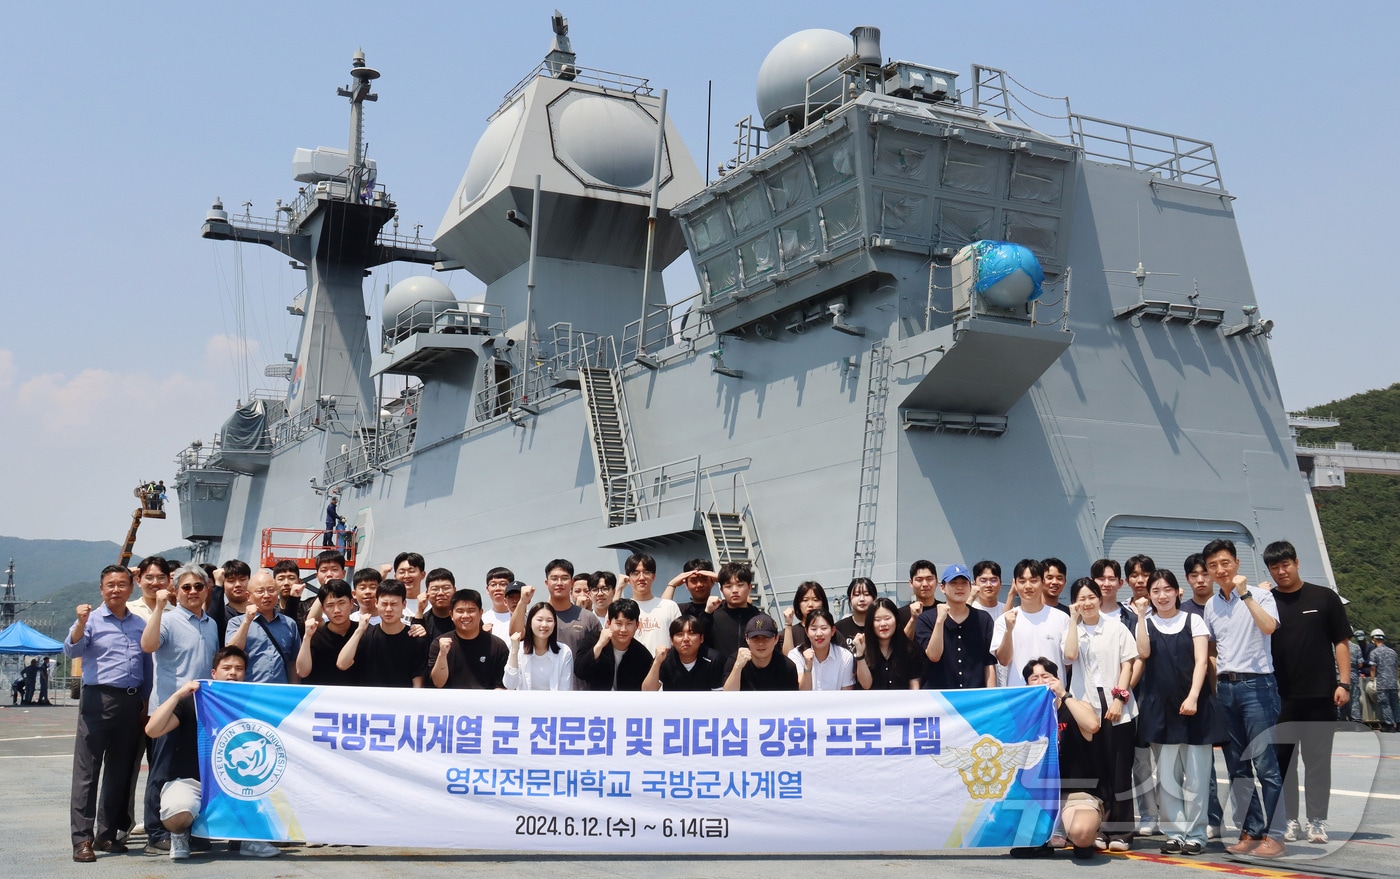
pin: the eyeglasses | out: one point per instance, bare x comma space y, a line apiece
988, 581
601, 588
192, 587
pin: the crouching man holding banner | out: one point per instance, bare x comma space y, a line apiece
180, 797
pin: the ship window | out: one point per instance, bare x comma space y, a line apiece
756, 256
960, 224
721, 273
797, 238
971, 169
708, 230
788, 187
1040, 234
210, 491
748, 208
901, 160
841, 216
901, 211
1037, 180
834, 165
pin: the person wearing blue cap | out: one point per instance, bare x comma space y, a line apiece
956, 638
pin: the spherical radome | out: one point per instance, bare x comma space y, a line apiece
410, 291
782, 79
610, 140
490, 152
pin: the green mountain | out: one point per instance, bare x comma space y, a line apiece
1360, 522
41, 566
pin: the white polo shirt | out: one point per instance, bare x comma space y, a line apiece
1239, 645
836, 672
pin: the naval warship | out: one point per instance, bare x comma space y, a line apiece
918, 333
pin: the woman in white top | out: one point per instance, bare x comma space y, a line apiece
1178, 719
1102, 654
542, 663
823, 665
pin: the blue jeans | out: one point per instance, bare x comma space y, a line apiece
1251, 708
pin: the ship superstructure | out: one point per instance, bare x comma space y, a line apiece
842, 395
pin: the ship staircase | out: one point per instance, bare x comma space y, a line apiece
872, 453
733, 538
610, 433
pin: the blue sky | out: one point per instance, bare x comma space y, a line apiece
125, 334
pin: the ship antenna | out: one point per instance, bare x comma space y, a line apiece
358, 92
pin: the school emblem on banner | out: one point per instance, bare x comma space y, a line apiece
248, 759
988, 767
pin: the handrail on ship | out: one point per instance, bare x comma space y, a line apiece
662, 327
1178, 158
603, 79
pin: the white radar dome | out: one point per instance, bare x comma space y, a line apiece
490, 153
611, 141
782, 80
411, 291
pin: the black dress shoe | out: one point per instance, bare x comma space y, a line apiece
83, 854
111, 846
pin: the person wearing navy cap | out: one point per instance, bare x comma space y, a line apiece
956, 638
759, 666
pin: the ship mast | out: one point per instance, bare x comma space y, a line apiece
334, 232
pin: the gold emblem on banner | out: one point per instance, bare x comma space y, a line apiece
989, 765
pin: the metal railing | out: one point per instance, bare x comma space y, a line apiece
603, 79
1173, 156
446, 317
293, 428
1178, 158
665, 323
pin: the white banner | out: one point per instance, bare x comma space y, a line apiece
628, 772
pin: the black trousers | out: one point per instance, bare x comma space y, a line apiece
1306, 725
109, 735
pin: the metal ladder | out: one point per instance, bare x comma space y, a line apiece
611, 435
868, 497
733, 537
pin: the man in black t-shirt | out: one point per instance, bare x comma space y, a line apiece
759, 666
386, 653
316, 661
439, 591
1081, 787
687, 664
699, 579
1317, 632
468, 659
727, 624
180, 797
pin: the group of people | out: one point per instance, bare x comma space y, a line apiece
31, 686
1144, 689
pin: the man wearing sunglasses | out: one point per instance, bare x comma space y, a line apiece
182, 641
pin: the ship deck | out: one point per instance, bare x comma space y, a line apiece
36, 749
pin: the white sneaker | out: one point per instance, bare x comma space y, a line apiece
1317, 831
1212, 832
179, 846
1147, 829
258, 849
1293, 831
